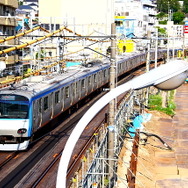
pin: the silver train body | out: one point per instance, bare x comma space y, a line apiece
30, 104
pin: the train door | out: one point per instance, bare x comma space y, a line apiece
77, 93
89, 84
72, 94
67, 98
99, 78
57, 103
47, 112
83, 87
95, 79
62, 99
74, 87
78, 86
37, 115
51, 103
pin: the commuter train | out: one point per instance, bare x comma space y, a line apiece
30, 104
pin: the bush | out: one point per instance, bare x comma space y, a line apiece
155, 103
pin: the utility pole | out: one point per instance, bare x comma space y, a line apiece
156, 46
148, 56
112, 103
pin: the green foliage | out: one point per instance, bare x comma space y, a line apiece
161, 15
178, 12
178, 17
20, 3
155, 103
185, 6
164, 22
40, 55
166, 5
162, 31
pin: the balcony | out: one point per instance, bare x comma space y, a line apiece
2, 2
10, 21
12, 3
11, 59
2, 20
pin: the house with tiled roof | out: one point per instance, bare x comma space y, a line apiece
30, 7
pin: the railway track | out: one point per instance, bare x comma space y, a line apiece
8, 157
45, 144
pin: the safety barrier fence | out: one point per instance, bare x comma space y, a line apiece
93, 171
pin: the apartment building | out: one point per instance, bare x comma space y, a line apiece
138, 16
7, 28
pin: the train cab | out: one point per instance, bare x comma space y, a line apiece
14, 121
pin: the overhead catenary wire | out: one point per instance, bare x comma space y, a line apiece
42, 39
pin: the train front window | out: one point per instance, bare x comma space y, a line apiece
13, 110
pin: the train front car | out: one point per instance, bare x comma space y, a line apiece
14, 122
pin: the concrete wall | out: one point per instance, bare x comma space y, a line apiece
96, 13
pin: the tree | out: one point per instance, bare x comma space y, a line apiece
185, 6
178, 17
161, 16
166, 5
162, 31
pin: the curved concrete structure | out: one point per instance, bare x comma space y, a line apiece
151, 78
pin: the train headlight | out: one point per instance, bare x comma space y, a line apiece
22, 131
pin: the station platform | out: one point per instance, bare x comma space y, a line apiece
157, 166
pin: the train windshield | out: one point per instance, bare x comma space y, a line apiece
13, 108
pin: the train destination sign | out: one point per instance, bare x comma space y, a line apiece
12, 98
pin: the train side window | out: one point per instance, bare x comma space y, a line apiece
67, 92
83, 83
57, 97
45, 104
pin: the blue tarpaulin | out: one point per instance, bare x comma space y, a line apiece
137, 123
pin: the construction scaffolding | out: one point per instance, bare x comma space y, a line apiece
95, 163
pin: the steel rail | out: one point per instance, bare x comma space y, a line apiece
8, 159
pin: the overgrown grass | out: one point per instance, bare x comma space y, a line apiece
155, 103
